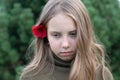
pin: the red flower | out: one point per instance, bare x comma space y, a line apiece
39, 31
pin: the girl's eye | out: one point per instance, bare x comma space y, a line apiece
73, 34
56, 35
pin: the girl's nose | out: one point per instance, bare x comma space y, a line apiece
65, 43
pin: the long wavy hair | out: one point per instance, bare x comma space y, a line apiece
89, 54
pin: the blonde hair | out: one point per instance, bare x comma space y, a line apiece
89, 54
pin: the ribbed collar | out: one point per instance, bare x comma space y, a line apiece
61, 63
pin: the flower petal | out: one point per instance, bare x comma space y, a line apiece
39, 31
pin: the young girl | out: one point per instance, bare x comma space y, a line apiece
65, 47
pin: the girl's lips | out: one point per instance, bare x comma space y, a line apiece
65, 53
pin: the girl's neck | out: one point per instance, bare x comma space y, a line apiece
61, 63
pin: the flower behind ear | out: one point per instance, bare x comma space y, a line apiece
39, 31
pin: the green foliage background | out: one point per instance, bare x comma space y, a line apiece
18, 16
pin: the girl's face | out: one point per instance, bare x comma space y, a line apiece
62, 36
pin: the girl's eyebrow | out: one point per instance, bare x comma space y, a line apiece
60, 31
55, 31
73, 31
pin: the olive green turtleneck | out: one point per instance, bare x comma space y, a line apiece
62, 70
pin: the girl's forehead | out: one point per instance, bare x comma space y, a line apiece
61, 22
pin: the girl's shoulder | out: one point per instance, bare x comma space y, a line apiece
103, 72
108, 74
37, 77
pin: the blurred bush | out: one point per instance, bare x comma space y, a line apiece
15, 36
106, 19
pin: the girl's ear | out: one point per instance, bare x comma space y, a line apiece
46, 41
48, 44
